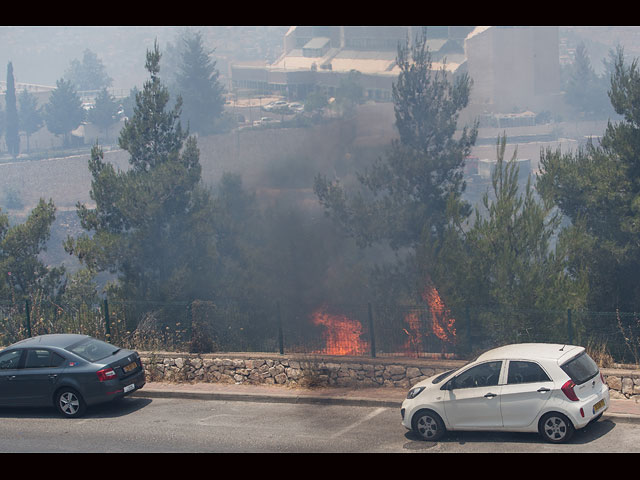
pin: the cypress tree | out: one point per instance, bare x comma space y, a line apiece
12, 136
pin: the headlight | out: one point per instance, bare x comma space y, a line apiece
414, 392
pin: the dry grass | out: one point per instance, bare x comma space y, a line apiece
600, 354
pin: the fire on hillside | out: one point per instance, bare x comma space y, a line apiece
343, 335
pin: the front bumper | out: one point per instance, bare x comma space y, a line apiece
408, 408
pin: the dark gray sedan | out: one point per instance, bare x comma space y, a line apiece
67, 371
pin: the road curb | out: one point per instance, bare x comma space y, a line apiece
239, 397
308, 399
621, 417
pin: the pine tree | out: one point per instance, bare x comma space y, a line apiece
105, 112
512, 260
198, 83
597, 188
586, 93
63, 113
30, 114
22, 272
12, 136
407, 191
90, 74
152, 224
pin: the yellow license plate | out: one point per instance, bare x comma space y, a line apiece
598, 406
130, 367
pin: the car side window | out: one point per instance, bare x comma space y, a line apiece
483, 375
56, 360
526, 372
10, 359
41, 358
37, 358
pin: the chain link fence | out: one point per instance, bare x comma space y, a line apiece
359, 330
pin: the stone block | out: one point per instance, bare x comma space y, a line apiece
615, 383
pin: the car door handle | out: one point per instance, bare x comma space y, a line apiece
53, 376
543, 390
11, 377
490, 395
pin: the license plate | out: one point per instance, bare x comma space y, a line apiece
130, 367
128, 388
598, 406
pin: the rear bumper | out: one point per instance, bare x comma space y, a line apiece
583, 413
114, 389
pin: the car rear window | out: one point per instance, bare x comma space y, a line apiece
92, 349
581, 368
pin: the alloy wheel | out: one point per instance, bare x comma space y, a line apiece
427, 427
555, 428
69, 403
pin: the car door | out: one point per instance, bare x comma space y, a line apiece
9, 368
472, 398
527, 389
35, 382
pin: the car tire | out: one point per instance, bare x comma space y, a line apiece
428, 425
556, 427
69, 403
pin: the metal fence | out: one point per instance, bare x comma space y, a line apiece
369, 330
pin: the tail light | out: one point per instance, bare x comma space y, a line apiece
602, 378
567, 389
106, 374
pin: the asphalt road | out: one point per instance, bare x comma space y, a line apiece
146, 425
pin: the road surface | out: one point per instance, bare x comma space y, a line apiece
194, 426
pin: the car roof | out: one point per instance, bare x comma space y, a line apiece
60, 340
540, 351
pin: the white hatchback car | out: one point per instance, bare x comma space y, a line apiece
551, 389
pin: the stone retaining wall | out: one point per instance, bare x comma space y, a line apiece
314, 370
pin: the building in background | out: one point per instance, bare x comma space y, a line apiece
322, 56
513, 68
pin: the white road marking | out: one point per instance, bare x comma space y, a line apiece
377, 411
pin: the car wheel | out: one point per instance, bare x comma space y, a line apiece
69, 403
556, 428
428, 425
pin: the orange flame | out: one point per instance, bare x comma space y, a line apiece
413, 345
342, 334
443, 324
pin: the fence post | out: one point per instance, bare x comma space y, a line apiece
280, 335
28, 316
372, 333
569, 327
467, 314
107, 327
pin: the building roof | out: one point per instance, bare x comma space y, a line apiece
318, 42
363, 55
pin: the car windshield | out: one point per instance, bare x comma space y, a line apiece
443, 375
92, 349
581, 368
